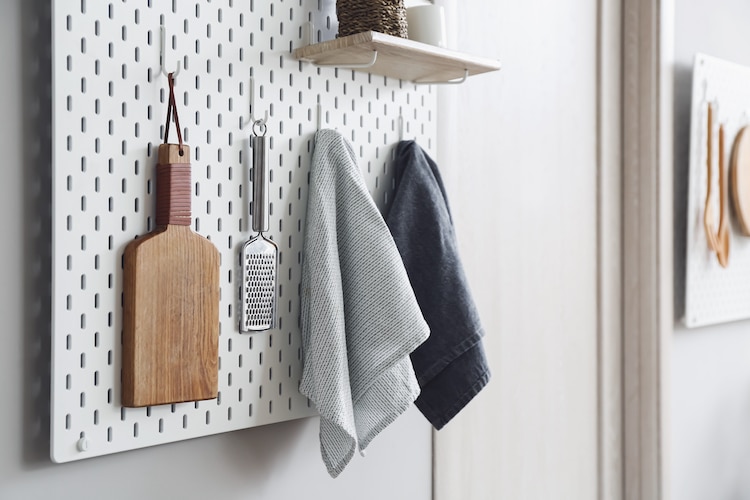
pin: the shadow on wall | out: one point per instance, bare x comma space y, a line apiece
683, 85
36, 32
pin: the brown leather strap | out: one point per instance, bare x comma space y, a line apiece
173, 194
172, 110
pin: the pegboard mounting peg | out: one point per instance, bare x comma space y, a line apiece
82, 444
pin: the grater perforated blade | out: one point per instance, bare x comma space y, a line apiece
259, 256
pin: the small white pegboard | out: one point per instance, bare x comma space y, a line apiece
109, 105
714, 294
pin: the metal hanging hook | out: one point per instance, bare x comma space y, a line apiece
162, 54
253, 119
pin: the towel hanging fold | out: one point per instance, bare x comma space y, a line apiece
451, 366
359, 317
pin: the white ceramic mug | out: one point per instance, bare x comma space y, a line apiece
427, 24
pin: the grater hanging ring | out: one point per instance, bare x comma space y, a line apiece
261, 124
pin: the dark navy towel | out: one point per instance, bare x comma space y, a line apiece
451, 366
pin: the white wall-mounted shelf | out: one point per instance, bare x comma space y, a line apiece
396, 58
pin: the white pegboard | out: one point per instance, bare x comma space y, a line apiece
714, 294
108, 112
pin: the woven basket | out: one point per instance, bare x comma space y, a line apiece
384, 16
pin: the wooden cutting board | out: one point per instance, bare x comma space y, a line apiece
170, 299
740, 166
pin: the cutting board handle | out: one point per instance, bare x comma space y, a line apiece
173, 186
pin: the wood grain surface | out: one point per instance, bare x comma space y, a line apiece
170, 314
741, 178
397, 57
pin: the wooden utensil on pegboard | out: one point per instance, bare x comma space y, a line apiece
718, 241
722, 238
170, 294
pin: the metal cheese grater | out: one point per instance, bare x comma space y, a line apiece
259, 256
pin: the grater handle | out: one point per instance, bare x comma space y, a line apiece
260, 183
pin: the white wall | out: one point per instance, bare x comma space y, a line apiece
518, 151
274, 462
710, 367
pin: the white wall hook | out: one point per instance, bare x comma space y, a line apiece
308, 31
253, 118
162, 54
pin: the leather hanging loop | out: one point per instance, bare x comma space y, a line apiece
172, 111
173, 172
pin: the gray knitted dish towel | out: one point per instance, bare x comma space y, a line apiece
359, 317
451, 365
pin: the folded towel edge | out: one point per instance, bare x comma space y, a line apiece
334, 469
426, 375
440, 419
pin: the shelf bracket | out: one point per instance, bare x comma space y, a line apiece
366, 65
448, 82
308, 29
